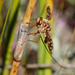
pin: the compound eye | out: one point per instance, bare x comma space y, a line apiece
40, 22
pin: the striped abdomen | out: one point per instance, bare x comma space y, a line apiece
50, 45
48, 39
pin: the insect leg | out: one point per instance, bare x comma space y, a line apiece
33, 19
32, 24
33, 33
31, 41
39, 39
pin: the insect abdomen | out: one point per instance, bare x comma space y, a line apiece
48, 39
50, 45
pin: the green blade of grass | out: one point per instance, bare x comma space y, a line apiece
10, 36
41, 52
43, 56
5, 22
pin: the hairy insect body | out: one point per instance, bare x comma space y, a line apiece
45, 29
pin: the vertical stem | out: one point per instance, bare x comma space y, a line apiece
47, 56
28, 12
41, 50
50, 3
15, 67
22, 37
43, 55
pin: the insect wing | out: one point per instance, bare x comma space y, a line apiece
48, 17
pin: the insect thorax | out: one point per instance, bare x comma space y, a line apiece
44, 27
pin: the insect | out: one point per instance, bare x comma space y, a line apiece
43, 27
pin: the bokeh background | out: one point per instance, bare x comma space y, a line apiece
63, 33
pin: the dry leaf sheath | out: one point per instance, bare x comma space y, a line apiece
22, 37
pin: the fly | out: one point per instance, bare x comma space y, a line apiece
43, 27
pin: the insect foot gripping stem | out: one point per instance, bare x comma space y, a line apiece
20, 42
